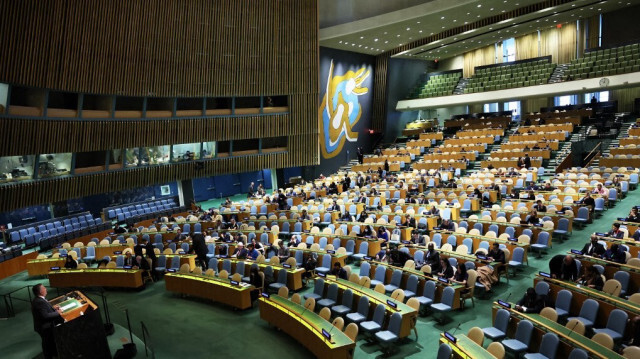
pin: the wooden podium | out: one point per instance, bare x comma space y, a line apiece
82, 335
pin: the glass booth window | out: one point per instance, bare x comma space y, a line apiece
208, 150
186, 152
132, 156
115, 160
156, 155
54, 164
16, 168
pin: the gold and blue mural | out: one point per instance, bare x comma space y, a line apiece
341, 108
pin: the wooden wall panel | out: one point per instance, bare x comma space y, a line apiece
163, 47
56, 136
158, 48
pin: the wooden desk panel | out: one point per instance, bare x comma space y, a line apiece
375, 298
120, 278
43, 266
214, 289
306, 328
16, 265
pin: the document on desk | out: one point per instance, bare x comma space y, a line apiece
69, 306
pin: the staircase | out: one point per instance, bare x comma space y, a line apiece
607, 144
558, 73
462, 84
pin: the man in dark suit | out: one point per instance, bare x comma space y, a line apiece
45, 317
200, 248
128, 259
151, 254
593, 248
527, 161
432, 258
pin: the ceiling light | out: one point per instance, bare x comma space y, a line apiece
398, 36
361, 37
491, 9
420, 31
359, 45
386, 42
479, 5
375, 40
442, 18
408, 28
418, 22
340, 41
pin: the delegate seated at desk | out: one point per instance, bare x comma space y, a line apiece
497, 255
446, 271
592, 278
615, 254
588, 201
240, 252
447, 225
432, 258
70, 263
593, 248
633, 216
615, 231
531, 302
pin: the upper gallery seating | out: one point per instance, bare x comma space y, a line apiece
509, 75
147, 208
64, 227
437, 85
605, 62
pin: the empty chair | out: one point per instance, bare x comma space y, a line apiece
325, 313
375, 324
477, 335
520, 342
351, 331
282, 281
499, 329
428, 294
496, 349
578, 353
412, 287
587, 313
576, 326
345, 306
616, 325
549, 313
563, 303
318, 290
161, 265
563, 228
394, 284
362, 311
517, 259
379, 276
363, 251
548, 348
175, 263
603, 339
325, 267
391, 335
542, 243
623, 278
582, 217
632, 352
446, 303
331, 298
91, 255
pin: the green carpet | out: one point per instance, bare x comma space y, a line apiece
197, 329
